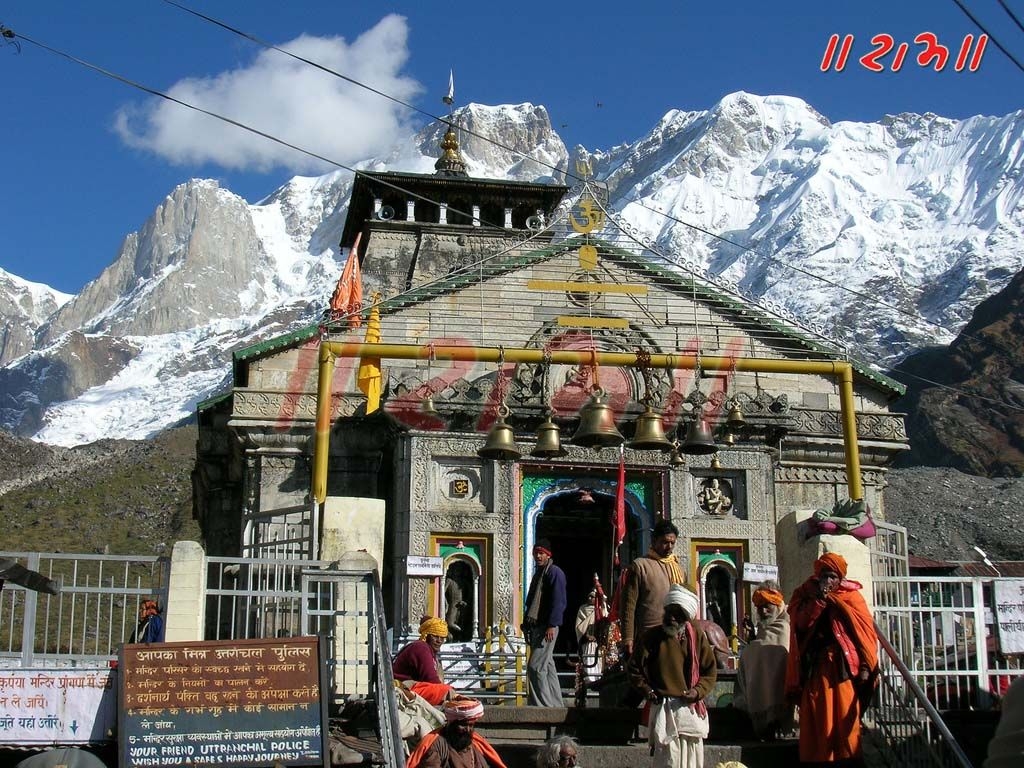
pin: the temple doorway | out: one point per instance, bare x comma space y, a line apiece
579, 526
460, 599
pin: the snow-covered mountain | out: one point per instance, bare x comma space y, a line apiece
24, 306
878, 230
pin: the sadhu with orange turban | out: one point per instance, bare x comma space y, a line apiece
833, 661
456, 742
418, 666
761, 677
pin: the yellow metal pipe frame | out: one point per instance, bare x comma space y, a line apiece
329, 350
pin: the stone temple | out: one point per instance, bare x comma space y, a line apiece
450, 261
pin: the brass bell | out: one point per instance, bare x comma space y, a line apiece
676, 459
549, 440
699, 440
501, 440
734, 420
597, 424
716, 462
729, 438
427, 407
650, 432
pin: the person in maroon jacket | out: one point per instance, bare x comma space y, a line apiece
418, 667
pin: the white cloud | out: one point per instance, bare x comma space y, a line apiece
288, 99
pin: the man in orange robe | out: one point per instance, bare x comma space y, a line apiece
832, 666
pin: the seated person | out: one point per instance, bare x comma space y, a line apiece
418, 667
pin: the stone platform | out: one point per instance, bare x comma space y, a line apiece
614, 738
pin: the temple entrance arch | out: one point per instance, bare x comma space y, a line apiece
575, 514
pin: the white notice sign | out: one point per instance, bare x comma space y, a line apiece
760, 572
418, 565
1009, 595
56, 706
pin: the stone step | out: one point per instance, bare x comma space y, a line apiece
517, 754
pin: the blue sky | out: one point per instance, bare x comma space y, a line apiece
87, 159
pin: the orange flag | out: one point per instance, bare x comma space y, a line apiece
369, 377
348, 296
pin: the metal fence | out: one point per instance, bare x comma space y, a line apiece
942, 630
492, 669
943, 627
95, 611
249, 597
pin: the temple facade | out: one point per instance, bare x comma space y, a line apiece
479, 263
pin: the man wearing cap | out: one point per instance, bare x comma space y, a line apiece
673, 665
545, 604
647, 581
418, 667
761, 678
832, 666
456, 744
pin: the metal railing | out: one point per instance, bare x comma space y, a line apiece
914, 733
94, 613
940, 653
252, 597
492, 669
943, 628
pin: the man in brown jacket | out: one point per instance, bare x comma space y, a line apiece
674, 667
648, 582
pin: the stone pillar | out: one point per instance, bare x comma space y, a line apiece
508, 218
353, 535
476, 215
796, 556
185, 612
353, 524
442, 215
410, 210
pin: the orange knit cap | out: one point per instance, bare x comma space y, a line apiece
767, 596
830, 561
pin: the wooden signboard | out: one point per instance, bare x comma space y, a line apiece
225, 702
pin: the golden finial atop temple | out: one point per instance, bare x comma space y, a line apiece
451, 162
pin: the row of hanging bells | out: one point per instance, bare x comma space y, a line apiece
597, 430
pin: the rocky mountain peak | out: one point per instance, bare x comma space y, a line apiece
24, 306
824, 219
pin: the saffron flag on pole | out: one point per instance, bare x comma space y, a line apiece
348, 295
619, 524
369, 377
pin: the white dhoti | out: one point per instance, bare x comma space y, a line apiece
677, 733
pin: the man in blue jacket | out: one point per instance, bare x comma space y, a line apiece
545, 604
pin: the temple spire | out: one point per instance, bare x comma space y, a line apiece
451, 162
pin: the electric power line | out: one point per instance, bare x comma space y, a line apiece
995, 42
160, 94
1012, 15
743, 248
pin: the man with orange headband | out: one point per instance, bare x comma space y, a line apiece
761, 678
545, 606
832, 666
456, 744
418, 667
